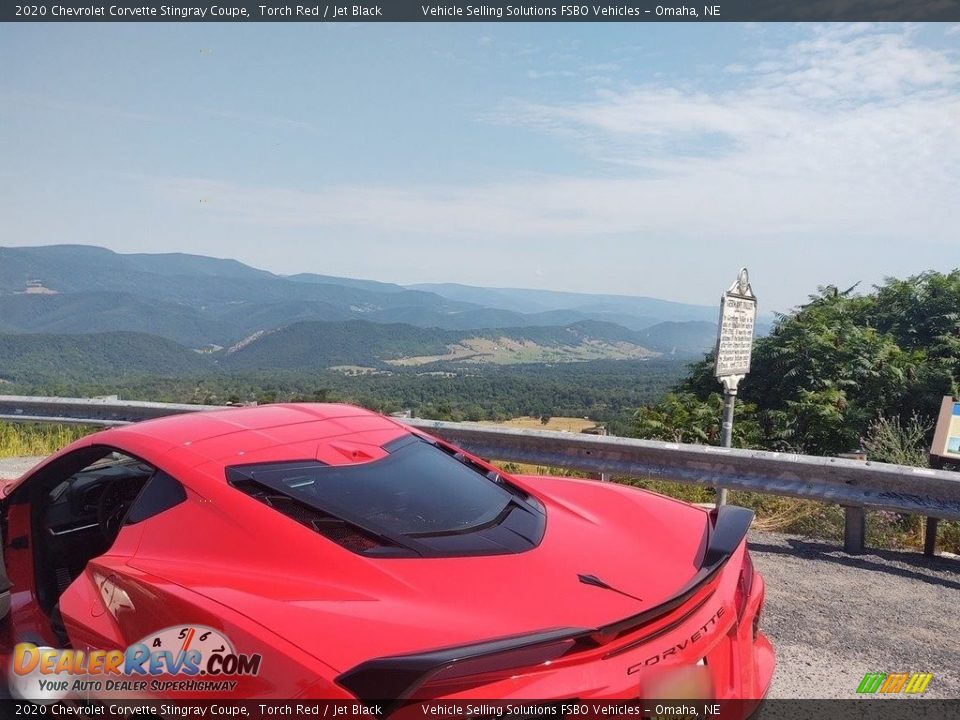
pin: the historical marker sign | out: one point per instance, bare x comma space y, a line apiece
738, 314
946, 438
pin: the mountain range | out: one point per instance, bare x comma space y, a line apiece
244, 317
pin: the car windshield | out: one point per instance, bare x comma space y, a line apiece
418, 489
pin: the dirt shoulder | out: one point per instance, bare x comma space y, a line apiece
833, 617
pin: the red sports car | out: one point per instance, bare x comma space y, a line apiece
324, 551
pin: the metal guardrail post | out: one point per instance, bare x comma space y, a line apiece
854, 517
930, 537
930, 527
599, 431
854, 530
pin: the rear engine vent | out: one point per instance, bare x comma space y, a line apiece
341, 532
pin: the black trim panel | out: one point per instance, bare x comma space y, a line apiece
399, 676
730, 525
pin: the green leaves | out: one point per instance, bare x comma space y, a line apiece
683, 417
830, 369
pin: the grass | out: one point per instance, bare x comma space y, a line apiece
510, 351
568, 424
18, 440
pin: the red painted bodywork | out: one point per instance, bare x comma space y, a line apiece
314, 610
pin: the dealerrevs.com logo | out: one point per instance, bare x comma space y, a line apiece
185, 658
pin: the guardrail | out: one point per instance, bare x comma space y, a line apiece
856, 485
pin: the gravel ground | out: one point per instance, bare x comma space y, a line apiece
15, 467
833, 617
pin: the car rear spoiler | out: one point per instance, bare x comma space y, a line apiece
389, 681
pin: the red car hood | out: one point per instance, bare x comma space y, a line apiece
645, 546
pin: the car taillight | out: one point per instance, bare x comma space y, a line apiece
744, 585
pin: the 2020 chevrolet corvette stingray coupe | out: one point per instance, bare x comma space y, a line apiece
325, 551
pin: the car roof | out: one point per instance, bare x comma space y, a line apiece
257, 434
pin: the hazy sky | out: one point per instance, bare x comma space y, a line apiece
645, 159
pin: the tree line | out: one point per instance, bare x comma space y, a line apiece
844, 369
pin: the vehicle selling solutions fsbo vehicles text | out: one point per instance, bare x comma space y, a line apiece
564, 11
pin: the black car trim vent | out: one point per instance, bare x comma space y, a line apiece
338, 530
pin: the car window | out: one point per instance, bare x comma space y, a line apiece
418, 489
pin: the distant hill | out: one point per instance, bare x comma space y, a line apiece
172, 264
94, 312
533, 301
204, 302
312, 345
200, 282
476, 318
347, 282
76, 288
681, 338
96, 356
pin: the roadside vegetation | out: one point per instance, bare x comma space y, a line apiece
20, 440
830, 369
547, 422
847, 371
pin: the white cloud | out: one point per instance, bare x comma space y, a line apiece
853, 132
838, 72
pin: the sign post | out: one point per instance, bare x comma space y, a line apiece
945, 448
738, 315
